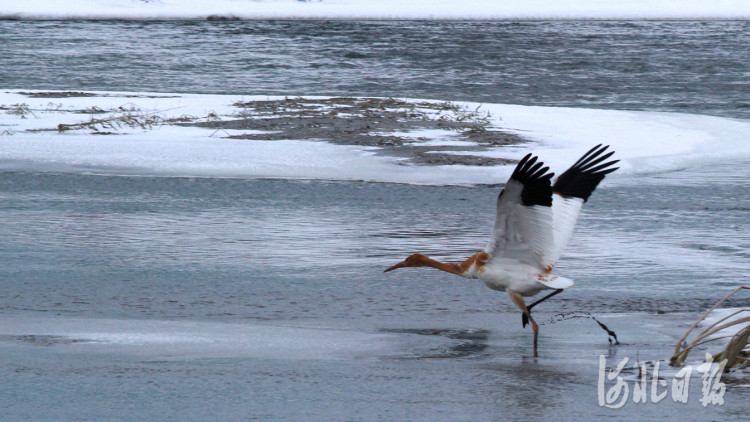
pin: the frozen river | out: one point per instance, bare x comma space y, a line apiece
156, 297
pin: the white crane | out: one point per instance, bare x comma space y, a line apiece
534, 222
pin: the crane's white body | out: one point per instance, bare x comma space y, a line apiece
507, 274
526, 243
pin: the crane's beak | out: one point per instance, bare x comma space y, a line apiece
399, 265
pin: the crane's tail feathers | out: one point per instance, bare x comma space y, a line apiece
557, 282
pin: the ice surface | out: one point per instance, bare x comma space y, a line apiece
731, 315
190, 339
384, 9
646, 142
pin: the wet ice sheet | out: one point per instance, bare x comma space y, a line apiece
567, 338
466, 369
189, 339
169, 272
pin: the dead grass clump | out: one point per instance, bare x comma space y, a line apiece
20, 109
447, 114
110, 124
93, 110
185, 118
737, 350
58, 94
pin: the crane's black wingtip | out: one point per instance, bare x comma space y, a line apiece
580, 180
536, 180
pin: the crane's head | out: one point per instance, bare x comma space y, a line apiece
416, 260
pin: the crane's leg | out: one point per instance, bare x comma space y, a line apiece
524, 318
518, 300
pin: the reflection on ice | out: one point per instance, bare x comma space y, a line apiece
468, 343
186, 340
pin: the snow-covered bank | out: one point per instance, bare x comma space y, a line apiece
384, 9
646, 142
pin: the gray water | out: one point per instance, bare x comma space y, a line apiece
685, 66
162, 298
142, 247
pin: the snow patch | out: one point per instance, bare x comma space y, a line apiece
647, 143
367, 9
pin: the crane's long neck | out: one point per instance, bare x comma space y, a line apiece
468, 268
425, 261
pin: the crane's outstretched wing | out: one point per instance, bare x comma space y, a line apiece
535, 220
571, 190
524, 215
